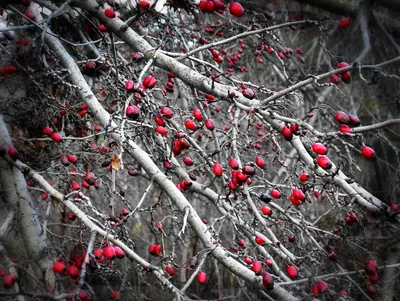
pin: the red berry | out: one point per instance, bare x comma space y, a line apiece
170, 270
59, 267
334, 79
114, 295
343, 128
101, 28
166, 112
268, 281
132, 112
197, 114
202, 277
109, 13
257, 267
266, 210
13, 153
75, 186
190, 125
260, 162
44, 196
118, 252
294, 200
72, 158
275, 193
149, 82
109, 252
56, 137
210, 124
319, 148
342, 118
259, 240
233, 163
344, 23
98, 253
287, 133
268, 262
161, 130
304, 177
367, 152
324, 162
130, 85
249, 170
188, 161
73, 271
236, 9
298, 194
292, 272
217, 169
144, 4
48, 131
9, 281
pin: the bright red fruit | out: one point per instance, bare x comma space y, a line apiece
132, 112
48, 131
114, 295
161, 130
344, 128
118, 252
275, 193
298, 194
292, 272
236, 9
56, 137
149, 82
319, 148
72, 158
98, 253
190, 125
287, 133
260, 162
259, 240
166, 112
13, 153
9, 281
202, 277
304, 177
210, 124
129, 85
342, 118
188, 161
266, 210
109, 252
73, 271
197, 114
268, 281
75, 186
334, 79
294, 200
109, 13
233, 163
170, 270
257, 267
344, 22
217, 169
144, 4
324, 162
59, 267
367, 152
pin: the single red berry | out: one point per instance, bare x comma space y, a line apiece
197, 114
149, 82
344, 22
98, 253
217, 169
260, 162
109, 252
59, 267
275, 193
342, 118
118, 252
109, 13
236, 9
170, 270
287, 133
298, 194
161, 130
266, 210
130, 85
75, 186
190, 125
367, 152
319, 148
304, 177
292, 272
73, 271
188, 161
72, 158
257, 267
9, 281
259, 240
210, 124
167, 112
324, 162
132, 112
344, 128
56, 137
268, 281
144, 4
201, 277
44, 196
48, 131
114, 295
294, 200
